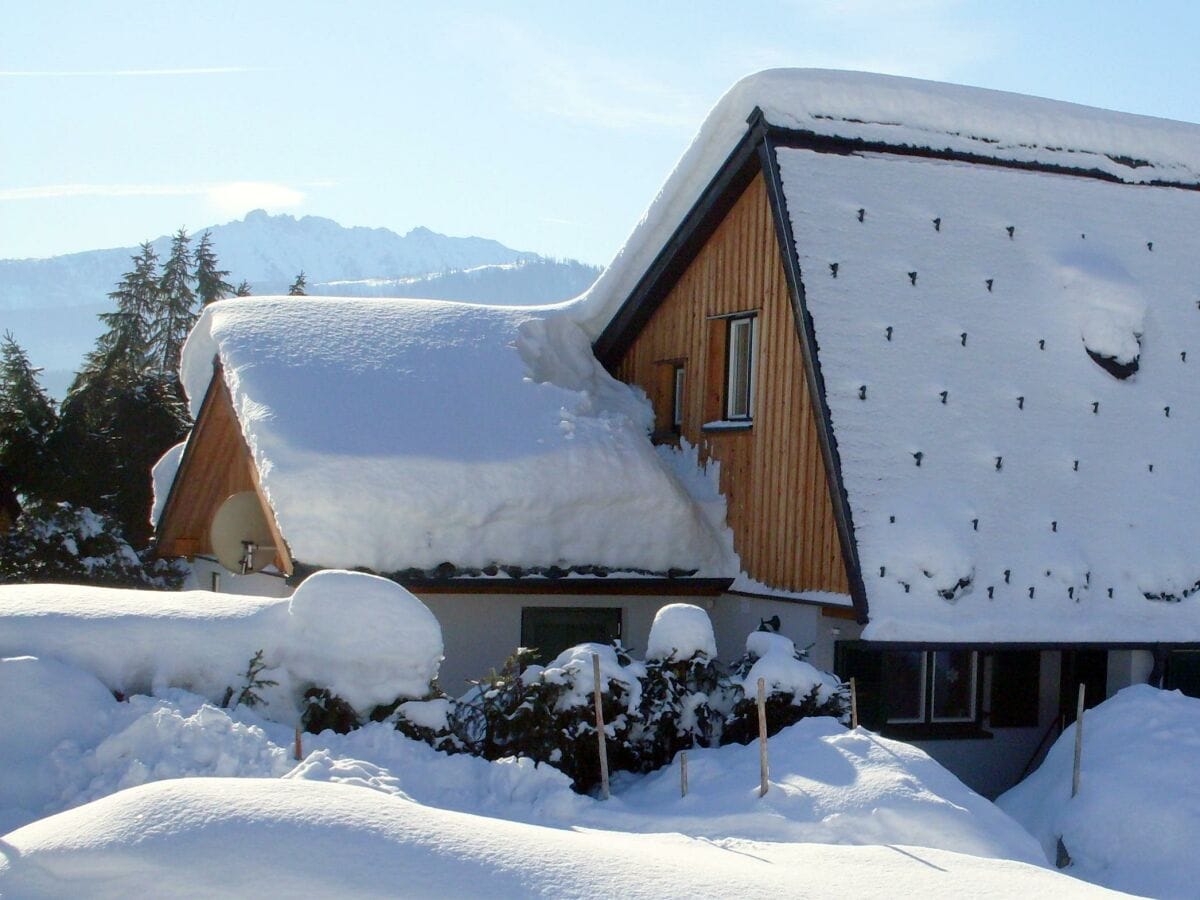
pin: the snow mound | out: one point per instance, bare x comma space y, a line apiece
412, 434
1136, 822
680, 631
366, 639
43, 703
209, 837
776, 663
385, 617
162, 476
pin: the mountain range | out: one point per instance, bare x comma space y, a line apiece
51, 305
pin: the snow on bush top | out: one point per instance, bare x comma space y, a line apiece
1136, 820
349, 620
367, 640
395, 434
1003, 486
782, 673
574, 669
679, 632
900, 112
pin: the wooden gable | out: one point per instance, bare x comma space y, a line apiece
773, 474
216, 463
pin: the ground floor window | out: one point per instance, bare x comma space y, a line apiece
1183, 672
552, 629
931, 686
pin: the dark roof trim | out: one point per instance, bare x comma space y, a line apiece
697, 226
812, 368
822, 143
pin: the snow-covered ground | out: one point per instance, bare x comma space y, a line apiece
1134, 824
374, 813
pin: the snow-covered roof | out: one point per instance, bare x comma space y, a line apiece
899, 112
404, 434
1003, 485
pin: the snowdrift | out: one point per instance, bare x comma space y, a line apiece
366, 639
207, 837
1136, 822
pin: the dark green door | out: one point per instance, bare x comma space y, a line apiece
1086, 667
552, 629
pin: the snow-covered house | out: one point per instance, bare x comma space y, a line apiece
935, 345
942, 341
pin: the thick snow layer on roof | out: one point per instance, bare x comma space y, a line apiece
1003, 485
395, 434
1135, 823
900, 112
365, 638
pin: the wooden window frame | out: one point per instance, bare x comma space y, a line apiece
678, 387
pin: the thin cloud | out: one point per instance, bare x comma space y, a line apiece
228, 197
125, 73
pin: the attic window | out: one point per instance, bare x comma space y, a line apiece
677, 380
739, 368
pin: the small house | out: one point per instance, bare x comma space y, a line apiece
909, 366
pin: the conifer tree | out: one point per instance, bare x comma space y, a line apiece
210, 280
27, 422
125, 345
243, 289
298, 286
176, 308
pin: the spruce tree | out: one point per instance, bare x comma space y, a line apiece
298, 286
243, 289
210, 280
27, 422
176, 308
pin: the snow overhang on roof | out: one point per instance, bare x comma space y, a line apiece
899, 112
402, 435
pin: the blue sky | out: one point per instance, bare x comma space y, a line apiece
548, 126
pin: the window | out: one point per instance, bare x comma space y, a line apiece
552, 629
739, 368
677, 398
926, 692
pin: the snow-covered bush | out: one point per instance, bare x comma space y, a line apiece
362, 639
548, 715
685, 696
74, 545
794, 688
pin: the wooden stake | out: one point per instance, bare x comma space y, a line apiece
1078, 743
683, 773
299, 753
600, 729
853, 703
762, 737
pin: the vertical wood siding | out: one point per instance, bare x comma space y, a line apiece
217, 464
772, 474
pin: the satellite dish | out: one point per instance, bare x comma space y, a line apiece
240, 534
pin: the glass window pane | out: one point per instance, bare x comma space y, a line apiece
677, 412
953, 686
904, 685
740, 348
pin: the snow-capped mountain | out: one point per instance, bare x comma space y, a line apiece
51, 304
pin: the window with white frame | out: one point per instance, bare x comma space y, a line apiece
931, 686
677, 398
739, 368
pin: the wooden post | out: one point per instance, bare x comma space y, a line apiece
853, 703
600, 729
299, 752
683, 773
1078, 743
762, 737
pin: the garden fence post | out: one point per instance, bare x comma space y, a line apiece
600, 728
683, 773
853, 703
762, 736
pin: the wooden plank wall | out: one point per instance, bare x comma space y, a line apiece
217, 464
772, 474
